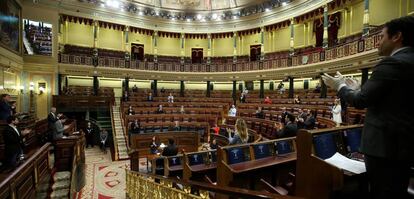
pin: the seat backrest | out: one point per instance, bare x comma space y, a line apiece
173, 161
353, 139
235, 155
283, 147
195, 159
324, 145
261, 151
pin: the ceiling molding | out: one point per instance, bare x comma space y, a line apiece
76, 8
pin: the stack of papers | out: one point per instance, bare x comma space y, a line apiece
345, 163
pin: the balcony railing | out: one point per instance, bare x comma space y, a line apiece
273, 60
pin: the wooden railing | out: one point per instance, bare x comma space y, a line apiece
139, 185
23, 181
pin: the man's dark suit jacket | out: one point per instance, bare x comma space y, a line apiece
5, 110
51, 120
13, 142
150, 98
389, 123
170, 150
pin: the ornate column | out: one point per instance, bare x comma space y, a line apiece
154, 44
325, 26
209, 48
182, 47
292, 35
261, 39
365, 30
291, 87
234, 46
261, 93
208, 89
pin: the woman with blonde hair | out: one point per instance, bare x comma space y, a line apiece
241, 135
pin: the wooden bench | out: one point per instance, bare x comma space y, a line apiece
315, 178
242, 165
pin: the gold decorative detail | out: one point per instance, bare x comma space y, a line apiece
138, 186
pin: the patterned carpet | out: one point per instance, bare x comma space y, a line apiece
105, 178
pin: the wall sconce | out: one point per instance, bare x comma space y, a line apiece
41, 87
41, 90
31, 88
1, 87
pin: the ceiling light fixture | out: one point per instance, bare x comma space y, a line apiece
284, 4
214, 16
199, 17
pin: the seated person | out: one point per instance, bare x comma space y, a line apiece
125, 97
277, 128
171, 149
135, 88
296, 100
160, 110
317, 88
259, 113
162, 90
267, 100
232, 111
135, 127
216, 129
310, 121
182, 111
243, 98
177, 126
130, 111
241, 135
150, 98
170, 98
213, 144
154, 146
290, 128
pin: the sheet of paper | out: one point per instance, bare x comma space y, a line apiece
345, 163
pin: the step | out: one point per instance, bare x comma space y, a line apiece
63, 193
41, 195
62, 175
42, 188
61, 185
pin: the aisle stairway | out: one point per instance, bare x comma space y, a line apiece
118, 132
59, 188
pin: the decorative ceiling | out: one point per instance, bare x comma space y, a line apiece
200, 5
192, 10
190, 16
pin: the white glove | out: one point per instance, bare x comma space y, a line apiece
334, 82
352, 84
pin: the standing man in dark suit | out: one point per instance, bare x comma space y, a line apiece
5, 108
388, 134
90, 135
52, 119
171, 149
13, 142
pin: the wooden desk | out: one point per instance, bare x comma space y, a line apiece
203, 167
189, 141
262, 163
